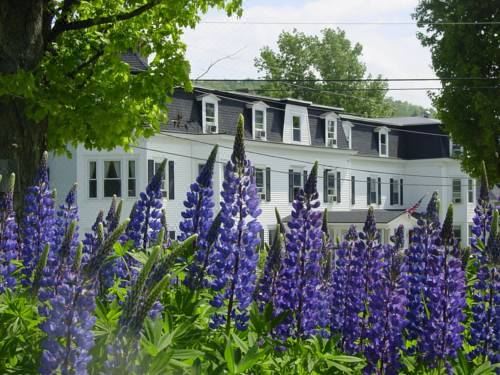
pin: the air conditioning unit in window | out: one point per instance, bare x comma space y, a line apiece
332, 199
261, 134
332, 143
263, 196
212, 129
457, 200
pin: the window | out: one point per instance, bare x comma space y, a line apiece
457, 232
330, 186
259, 124
455, 149
92, 179
470, 234
373, 191
394, 191
296, 129
297, 183
163, 187
112, 178
131, 179
260, 181
470, 191
383, 141
210, 114
457, 191
331, 133
353, 190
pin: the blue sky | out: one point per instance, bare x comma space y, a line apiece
390, 50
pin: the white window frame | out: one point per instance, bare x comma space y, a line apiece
332, 176
331, 118
453, 152
261, 191
395, 191
300, 128
374, 182
120, 178
209, 99
383, 131
456, 196
470, 190
300, 172
259, 106
134, 178
96, 179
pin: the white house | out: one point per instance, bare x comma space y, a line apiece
386, 163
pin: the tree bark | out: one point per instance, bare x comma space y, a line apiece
24, 28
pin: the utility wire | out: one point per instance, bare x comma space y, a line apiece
346, 79
319, 117
320, 164
286, 172
353, 23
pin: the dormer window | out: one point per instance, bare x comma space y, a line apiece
259, 119
210, 113
456, 150
383, 141
330, 129
296, 129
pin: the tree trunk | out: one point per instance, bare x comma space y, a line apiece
24, 29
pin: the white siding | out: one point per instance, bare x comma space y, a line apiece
296, 110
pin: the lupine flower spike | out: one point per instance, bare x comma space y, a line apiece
233, 262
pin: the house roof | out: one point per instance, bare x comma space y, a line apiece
394, 121
136, 62
359, 216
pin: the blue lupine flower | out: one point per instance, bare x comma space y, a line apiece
444, 298
198, 218
9, 238
485, 242
422, 240
38, 220
266, 287
233, 261
298, 290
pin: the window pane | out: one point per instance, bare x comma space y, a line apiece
131, 187
259, 177
382, 138
259, 117
296, 122
112, 187
111, 169
331, 181
296, 135
210, 110
131, 169
297, 180
93, 170
92, 188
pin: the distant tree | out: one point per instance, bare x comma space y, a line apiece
332, 56
401, 108
62, 80
469, 109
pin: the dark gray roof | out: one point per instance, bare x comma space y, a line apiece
359, 216
136, 62
394, 121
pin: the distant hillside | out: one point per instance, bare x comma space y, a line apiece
399, 108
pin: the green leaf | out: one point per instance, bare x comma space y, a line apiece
250, 359
229, 357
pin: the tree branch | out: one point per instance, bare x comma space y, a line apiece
86, 63
84, 24
227, 57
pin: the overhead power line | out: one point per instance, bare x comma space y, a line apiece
320, 177
309, 162
354, 23
346, 79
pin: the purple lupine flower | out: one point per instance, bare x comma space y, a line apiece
298, 289
422, 239
198, 218
9, 238
233, 261
38, 220
145, 219
444, 298
67, 213
266, 286
485, 242
389, 306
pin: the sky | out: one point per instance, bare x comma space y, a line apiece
390, 50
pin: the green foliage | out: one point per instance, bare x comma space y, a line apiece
469, 111
81, 86
400, 108
332, 56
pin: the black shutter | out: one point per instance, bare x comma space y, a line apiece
379, 190
368, 190
325, 185
353, 190
290, 185
171, 180
391, 190
401, 192
305, 179
268, 184
338, 187
151, 169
